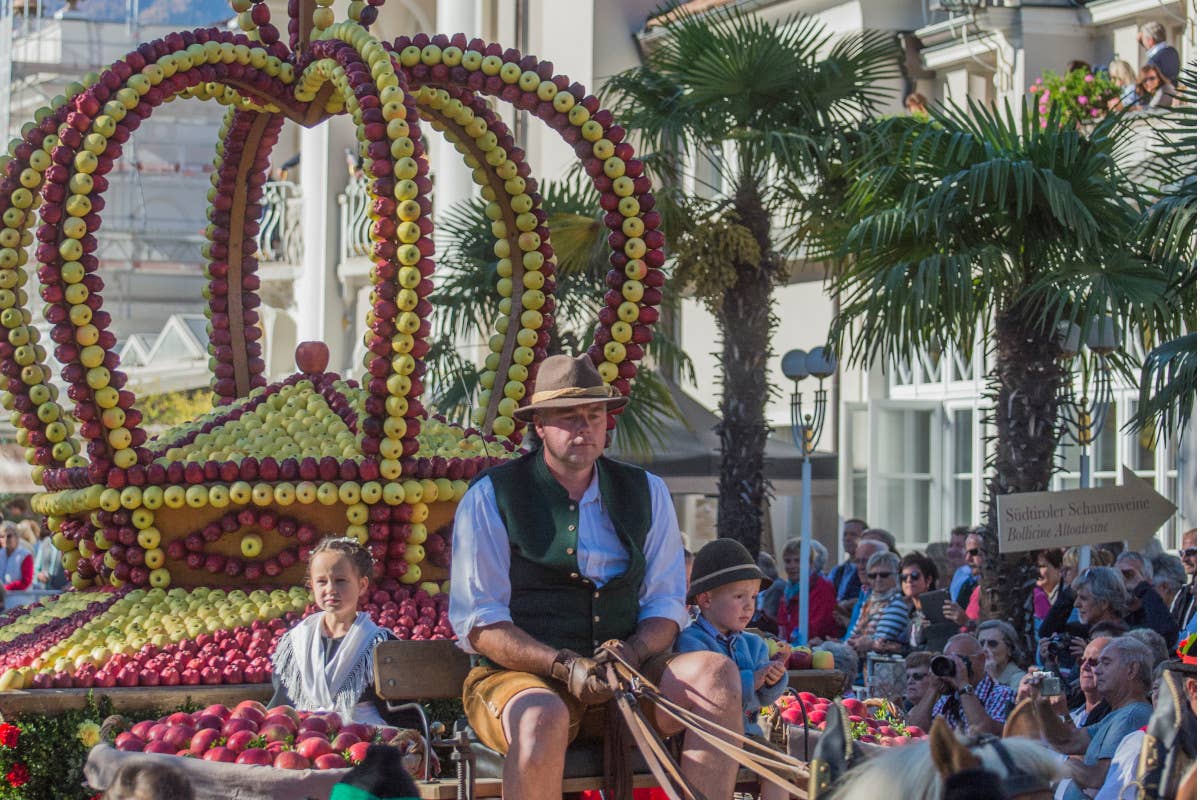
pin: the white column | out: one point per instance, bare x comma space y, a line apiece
317, 295
452, 182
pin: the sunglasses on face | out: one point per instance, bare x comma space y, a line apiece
1188, 552
974, 551
911, 577
991, 644
1089, 662
918, 676
878, 575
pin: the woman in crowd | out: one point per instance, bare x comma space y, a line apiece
883, 624
918, 574
821, 598
1121, 73
999, 641
1156, 90
1063, 617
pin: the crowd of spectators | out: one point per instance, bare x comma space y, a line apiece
1093, 646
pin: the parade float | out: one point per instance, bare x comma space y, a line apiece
186, 551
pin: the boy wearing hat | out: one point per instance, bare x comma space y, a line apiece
725, 585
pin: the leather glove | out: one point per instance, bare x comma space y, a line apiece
580, 675
630, 650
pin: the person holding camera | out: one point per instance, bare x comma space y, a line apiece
1092, 708
962, 692
1124, 671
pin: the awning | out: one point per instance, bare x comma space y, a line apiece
689, 456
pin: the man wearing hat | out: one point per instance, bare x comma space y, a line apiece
561, 552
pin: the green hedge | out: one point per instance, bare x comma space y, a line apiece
42, 755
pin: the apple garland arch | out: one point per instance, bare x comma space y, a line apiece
110, 489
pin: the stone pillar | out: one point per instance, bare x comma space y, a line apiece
452, 179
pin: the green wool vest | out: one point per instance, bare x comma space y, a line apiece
551, 600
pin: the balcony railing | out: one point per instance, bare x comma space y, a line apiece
354, 208
280, 236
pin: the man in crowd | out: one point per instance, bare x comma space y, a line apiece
848, 610
968, 699
1124, 672
966, 615
18, 562
918, 679
565, 529
881, 535
845, 575
1153, 37
1146, 608
962, 581
1183, 606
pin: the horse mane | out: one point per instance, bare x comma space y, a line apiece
919, 771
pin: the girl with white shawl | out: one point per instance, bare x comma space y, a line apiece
325, 662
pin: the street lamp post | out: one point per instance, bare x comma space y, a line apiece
1084, 415
806, 431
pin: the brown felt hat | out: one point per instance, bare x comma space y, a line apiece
563, 382
720, 562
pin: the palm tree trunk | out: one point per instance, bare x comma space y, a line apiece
746, 320
1025, 384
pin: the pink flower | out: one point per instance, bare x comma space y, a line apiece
1083, 101
1046, 96
1095, 112
1044, 109
1038, 81
1044, 122
1089, 78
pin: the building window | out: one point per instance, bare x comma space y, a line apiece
965, 495
905, 454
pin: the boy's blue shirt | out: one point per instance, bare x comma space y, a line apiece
748, 652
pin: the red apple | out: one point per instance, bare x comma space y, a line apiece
313, 746
233, 726
358, 752
237, 742
330, 761
130, 743
203, 739
255, 755
159, 747
142, 729
275, 732
343, 741
312, 357
221, 754
290, 759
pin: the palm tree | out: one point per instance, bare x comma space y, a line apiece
1168, 234
466, 299
777, 96
980, 217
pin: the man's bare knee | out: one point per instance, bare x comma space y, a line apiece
536, 717
705, 674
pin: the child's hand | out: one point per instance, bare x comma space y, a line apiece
770, 674
782, 654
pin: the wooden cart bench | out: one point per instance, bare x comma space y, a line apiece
407, 672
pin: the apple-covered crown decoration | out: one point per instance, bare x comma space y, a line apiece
246, 489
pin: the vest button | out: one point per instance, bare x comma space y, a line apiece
570, 551
574, 574
570, 527
596, 595
571, 507
595, 619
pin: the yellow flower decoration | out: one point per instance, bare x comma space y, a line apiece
88, 733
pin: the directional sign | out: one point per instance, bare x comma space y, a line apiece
1132, 512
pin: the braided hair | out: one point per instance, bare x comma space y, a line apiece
349, 547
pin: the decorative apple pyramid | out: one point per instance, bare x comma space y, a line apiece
238, 497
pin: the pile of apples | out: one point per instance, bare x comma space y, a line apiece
202, 637
281, 737
865, 726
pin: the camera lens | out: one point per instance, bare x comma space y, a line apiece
942, 666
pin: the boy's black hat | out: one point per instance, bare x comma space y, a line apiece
720, 562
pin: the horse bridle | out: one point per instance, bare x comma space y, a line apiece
1015, 781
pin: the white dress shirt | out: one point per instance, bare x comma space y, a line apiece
480, 588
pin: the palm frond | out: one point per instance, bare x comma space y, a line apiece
1168, 387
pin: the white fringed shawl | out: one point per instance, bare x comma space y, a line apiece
313, 685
